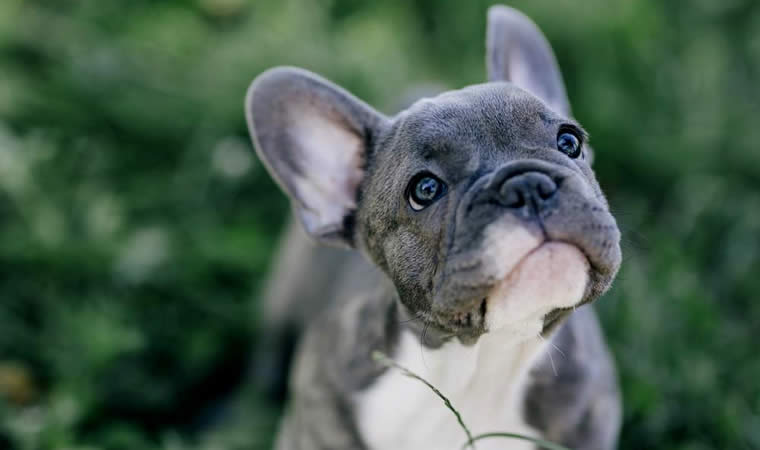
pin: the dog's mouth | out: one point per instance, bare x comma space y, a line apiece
538, 288
553, 276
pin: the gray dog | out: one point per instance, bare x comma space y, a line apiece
479, 231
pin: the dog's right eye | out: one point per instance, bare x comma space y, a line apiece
423, 190
569, 142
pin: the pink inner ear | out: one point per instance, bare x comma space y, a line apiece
331, 160
520, 74
519, 53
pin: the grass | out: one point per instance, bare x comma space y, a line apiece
383, 359
134, 231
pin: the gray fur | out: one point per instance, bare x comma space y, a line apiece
574, 396
423, 269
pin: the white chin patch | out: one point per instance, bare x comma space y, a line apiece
553, 275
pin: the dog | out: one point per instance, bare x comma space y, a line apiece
479, 232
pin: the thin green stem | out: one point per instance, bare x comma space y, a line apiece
383, 359
540, 442
388, 362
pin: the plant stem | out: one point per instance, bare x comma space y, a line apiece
388, 362
540, 442
383, 359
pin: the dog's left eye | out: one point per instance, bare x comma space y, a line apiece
423, 190
569, 143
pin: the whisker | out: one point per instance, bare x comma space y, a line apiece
412, 319
558, 349
422, 344
447, 336
551, 360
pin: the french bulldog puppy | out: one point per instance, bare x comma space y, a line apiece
479, 232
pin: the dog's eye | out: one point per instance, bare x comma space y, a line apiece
569, 142
423, 190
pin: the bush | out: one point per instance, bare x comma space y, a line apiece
136, 225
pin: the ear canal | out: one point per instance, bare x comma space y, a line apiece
517, 51
312, 136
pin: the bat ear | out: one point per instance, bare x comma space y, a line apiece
517, 51
313, 138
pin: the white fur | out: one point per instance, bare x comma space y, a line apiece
505, 244
487, 381
554, 275
537, 276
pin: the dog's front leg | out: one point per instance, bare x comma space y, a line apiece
333, 363
318, 421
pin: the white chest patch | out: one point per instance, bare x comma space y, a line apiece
485, 382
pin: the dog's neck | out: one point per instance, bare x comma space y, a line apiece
486, 382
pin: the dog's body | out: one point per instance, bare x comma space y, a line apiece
480, 228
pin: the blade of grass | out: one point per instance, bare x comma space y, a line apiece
383, 359
539, 442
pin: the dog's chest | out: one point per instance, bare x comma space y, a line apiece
486, 383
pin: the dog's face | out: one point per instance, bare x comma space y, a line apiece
479, 204
482, 207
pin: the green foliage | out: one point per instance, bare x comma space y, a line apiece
135, 225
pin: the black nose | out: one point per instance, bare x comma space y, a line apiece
529, 190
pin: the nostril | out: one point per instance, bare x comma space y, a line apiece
512, 198
546, 188
527, 188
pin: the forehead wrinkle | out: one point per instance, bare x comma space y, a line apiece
486, 117
554, 120
435, 137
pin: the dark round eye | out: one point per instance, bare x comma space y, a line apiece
423, 190
569, 143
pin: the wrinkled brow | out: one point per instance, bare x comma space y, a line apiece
557, 121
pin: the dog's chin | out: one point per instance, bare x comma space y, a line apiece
551, 276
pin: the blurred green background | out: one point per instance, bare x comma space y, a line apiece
136, 225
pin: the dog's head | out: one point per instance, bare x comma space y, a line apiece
479, 204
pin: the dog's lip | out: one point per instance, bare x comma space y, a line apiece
534, 250
545, 242
481, 309
520, 261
